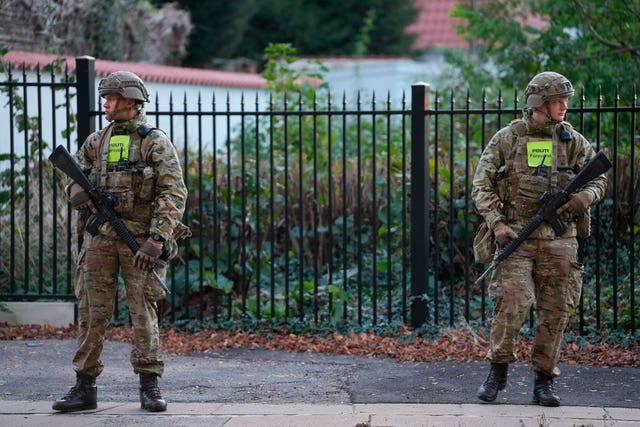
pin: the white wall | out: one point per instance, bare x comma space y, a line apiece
184, 98
193, 98
384, 77
346, 76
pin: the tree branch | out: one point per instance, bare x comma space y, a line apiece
633, 49
617, 47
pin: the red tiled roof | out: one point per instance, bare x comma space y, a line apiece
434, 26
147, 72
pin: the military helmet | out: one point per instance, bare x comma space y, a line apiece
126, 84
545, 87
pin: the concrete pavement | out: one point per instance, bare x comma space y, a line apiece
21, 413
271, 388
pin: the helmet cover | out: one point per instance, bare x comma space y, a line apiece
546, 86
126, 84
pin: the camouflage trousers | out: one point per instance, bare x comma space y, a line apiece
541, 272
99, 263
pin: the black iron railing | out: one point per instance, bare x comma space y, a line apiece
308, 208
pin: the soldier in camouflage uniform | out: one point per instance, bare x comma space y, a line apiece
540, 152
139, 165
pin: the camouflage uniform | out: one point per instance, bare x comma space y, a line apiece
544, 270
151, 195
139, 165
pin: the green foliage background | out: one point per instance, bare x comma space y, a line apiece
244, 28
293, 235
595, 44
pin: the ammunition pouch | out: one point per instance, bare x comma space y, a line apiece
530, 188
484, 244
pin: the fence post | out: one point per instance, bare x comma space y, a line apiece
86, 97
419, 201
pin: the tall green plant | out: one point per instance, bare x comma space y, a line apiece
26, 202
301, 197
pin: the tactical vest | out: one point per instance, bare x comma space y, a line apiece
131, 181
521, 183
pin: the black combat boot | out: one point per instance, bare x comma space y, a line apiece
150, 398
83, 395
543, 392
496, 381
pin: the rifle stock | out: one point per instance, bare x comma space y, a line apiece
103, 201
551, 202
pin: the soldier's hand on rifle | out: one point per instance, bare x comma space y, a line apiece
503, 234
80, 199
148, 254
577, 203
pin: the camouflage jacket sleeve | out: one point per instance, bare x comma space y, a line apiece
585, 152
171, 192
484, 192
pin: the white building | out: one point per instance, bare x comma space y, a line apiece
171, 89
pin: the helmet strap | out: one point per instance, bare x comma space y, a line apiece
544, 113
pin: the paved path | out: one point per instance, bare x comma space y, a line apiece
272, 388
18, 414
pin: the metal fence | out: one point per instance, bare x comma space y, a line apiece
308, 208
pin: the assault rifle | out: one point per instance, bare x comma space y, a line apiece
550, 201
102, 200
